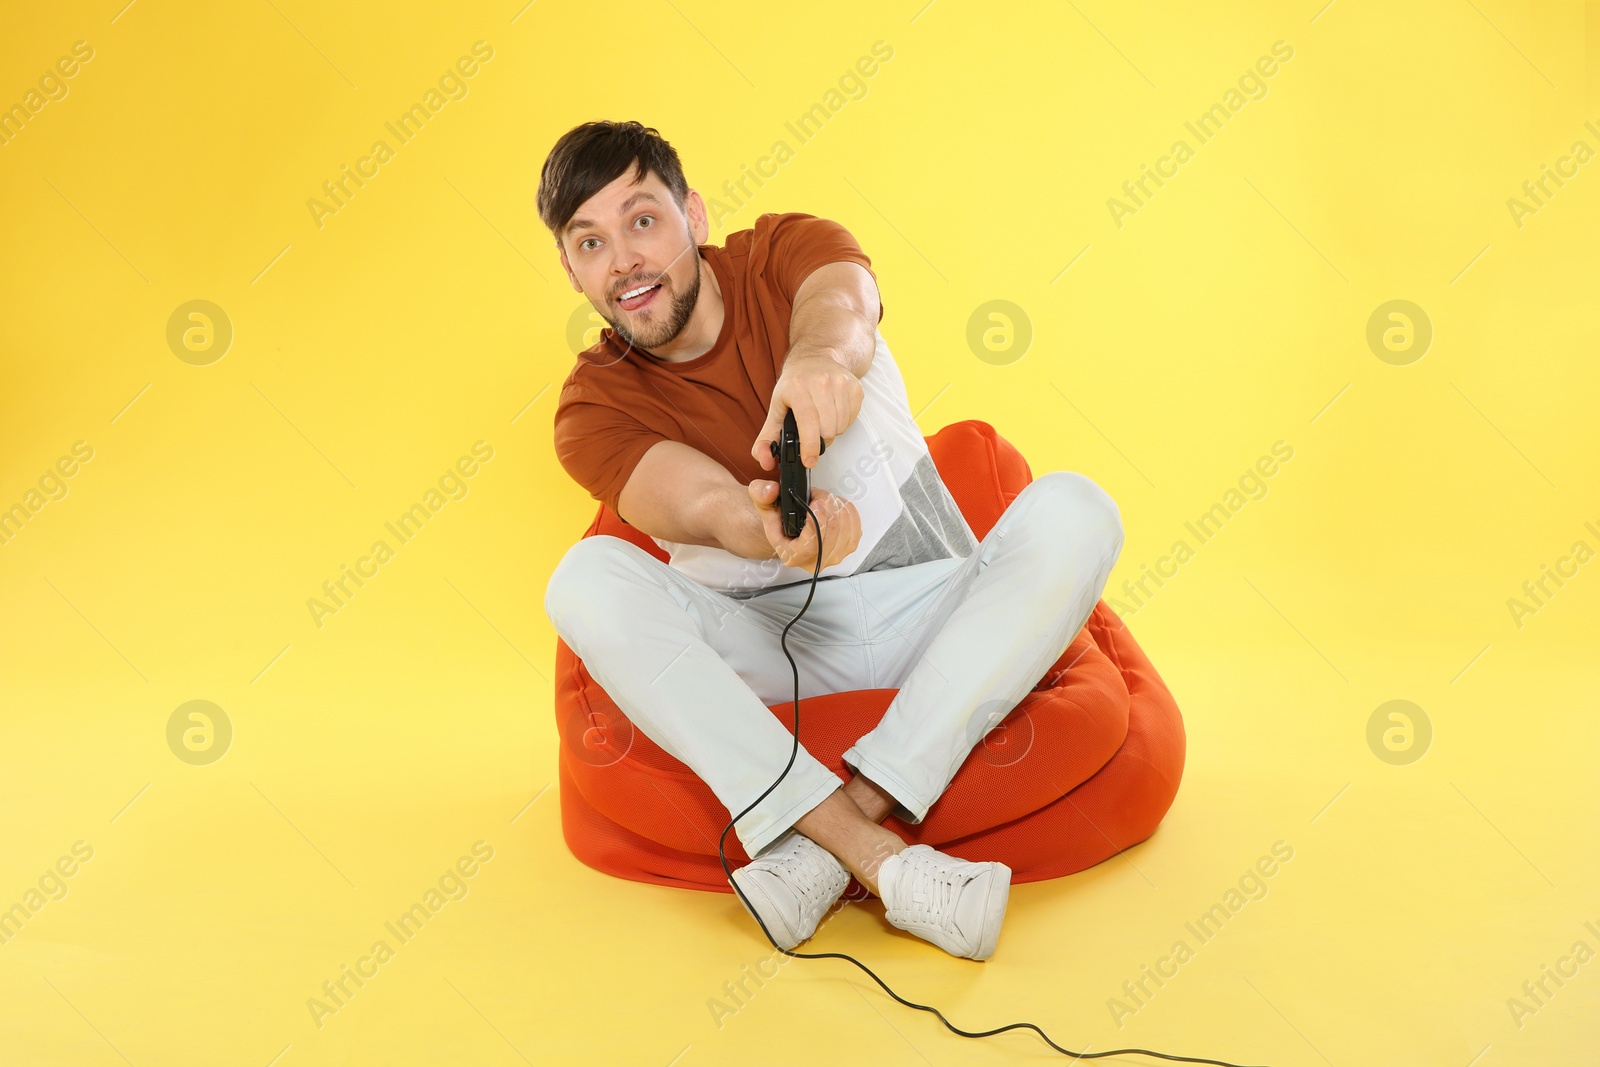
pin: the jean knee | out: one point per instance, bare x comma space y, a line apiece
586, 582
1076, 502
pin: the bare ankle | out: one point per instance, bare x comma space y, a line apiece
839, 826
874, 801
868, 863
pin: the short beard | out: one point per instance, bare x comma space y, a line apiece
672, 324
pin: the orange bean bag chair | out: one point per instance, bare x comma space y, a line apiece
1086, 765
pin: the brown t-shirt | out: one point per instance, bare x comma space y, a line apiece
616, 403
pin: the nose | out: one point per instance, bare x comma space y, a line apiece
626, 262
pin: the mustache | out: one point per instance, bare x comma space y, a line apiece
689, 247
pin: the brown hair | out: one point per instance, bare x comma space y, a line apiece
591, 156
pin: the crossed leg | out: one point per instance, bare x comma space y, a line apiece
963, 640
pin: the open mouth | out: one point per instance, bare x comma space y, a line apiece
640, 296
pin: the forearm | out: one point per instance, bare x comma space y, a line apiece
729, 517
836, 317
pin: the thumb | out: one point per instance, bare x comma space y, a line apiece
763, 492
770, 431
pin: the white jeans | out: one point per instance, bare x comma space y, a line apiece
963, 640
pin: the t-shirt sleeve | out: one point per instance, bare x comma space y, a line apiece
599, 446
801, 243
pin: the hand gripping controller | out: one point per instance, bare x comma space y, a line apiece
794, 479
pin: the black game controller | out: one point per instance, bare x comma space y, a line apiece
794, 478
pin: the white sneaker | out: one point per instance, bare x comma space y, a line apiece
792, 885
956, 904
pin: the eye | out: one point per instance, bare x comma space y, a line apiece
584, 242
645, 218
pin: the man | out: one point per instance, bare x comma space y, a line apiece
667, 421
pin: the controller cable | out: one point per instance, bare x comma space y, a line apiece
795, 751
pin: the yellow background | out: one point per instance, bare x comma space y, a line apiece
430, 313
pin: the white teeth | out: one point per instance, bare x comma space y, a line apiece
635, 292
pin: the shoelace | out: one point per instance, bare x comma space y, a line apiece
810, 870
931, 892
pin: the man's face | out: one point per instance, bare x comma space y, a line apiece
630, 236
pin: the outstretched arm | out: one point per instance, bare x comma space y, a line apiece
832, 337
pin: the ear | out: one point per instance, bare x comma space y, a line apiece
699, 226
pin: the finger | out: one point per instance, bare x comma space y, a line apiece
808, 553
806, 421
792, 551
838, 539
847, 405
845, 529
772, 526
762, 449
828, 421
